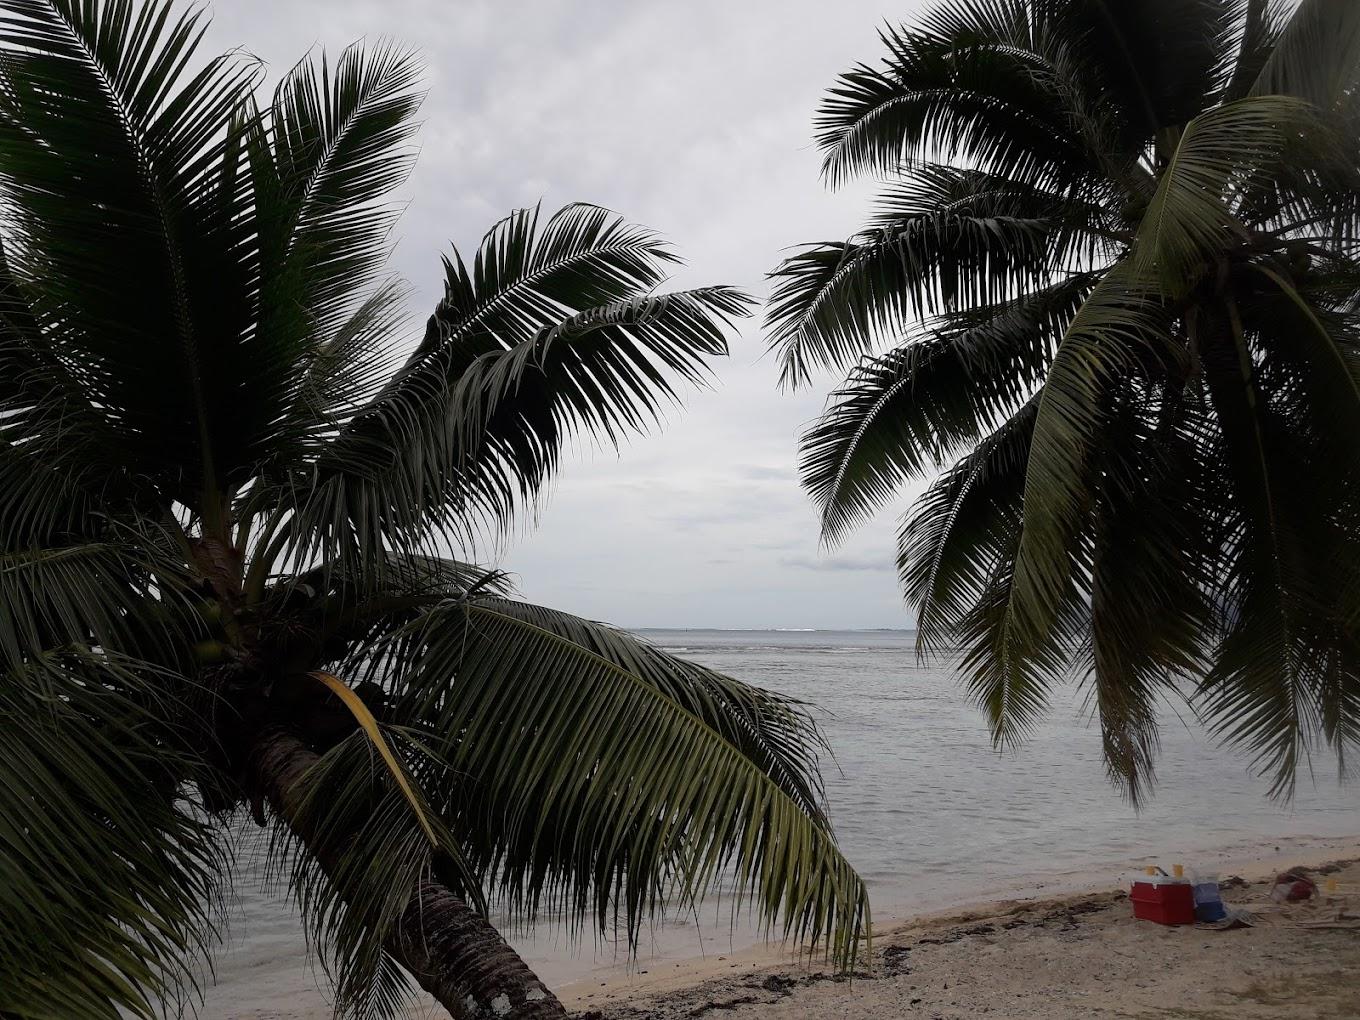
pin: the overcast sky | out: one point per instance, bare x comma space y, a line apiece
693, 117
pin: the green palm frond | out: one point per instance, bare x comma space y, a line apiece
1151, 84
1261, 21
350, 850
1315, 55
111, 880
1151, 625
612, 779
550, 335
933, 95
52, 438
833, 302
323, 162
604, 372
55, 597
1006, 674
1322, 359
913, 409
1283, 662
353, 363
1221, 152
1116, 332
337, 145
54, 499
522, 278
108, 594
962, 529
116, 264
1075, 217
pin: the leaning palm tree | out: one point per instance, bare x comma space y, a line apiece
1110, 292
238, 519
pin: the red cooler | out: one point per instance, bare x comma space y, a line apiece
1164, 900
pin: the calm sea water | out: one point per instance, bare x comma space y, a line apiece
921, 801
923, 806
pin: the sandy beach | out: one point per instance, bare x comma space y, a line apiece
1060, 955
1062, 951
1059, 958
1063, 954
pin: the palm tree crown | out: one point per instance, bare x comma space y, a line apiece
235, 510
1110, 290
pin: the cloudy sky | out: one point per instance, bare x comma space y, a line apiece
692, 117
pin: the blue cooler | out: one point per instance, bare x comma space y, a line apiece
1208, 903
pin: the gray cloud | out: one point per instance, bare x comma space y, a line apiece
760, 473
837, 564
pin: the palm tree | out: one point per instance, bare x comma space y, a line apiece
237, 514
1108, 297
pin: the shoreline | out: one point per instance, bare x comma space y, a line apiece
1048, 948
761, 980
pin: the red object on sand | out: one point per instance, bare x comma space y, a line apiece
1164, 902
1291, 886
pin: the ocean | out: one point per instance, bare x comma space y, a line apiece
923, 806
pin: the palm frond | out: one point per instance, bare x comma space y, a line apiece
1157, 61
1316, 56
1285, 661
587, 767
900, 414
602, 373
337, 145
1150, 624
323, 163
111, 879
1221, 152
115, 262
353, 852
831, 303
950, 543
358, 356
1321, 360
516, 360
55, 445
108, 595
1117, 333
1261, 21
1007, 671
1081, 229
522, 279
973, 94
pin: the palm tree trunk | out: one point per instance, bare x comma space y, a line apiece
451, 950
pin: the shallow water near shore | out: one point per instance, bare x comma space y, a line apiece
923, 807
